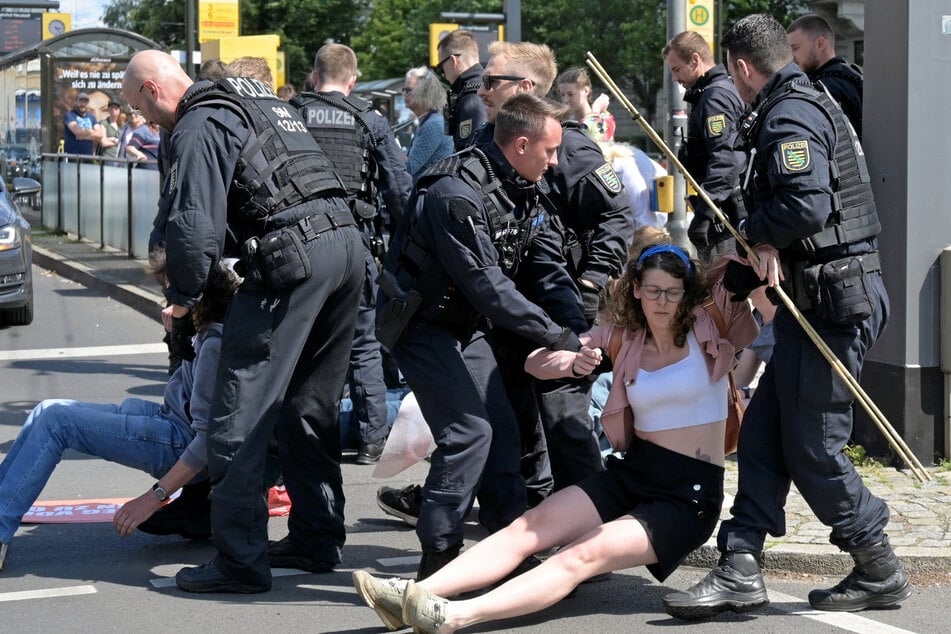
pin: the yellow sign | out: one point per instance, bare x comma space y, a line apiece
280, 78
218, 19
56, 24
228, 49
700, 18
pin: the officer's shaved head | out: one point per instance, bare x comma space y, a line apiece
761, 41
532, 61
335, 63
154, 83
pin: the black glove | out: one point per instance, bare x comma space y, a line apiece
591, 299
740, 280
699, 230
180, 341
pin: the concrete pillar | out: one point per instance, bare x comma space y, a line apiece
907, 139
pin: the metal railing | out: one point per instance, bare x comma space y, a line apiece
107, 200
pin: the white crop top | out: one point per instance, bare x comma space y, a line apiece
679, 395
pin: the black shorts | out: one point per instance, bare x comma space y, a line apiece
677, 499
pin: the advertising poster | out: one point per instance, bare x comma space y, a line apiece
100, 79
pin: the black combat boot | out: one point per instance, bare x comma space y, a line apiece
431, 562
878, 580
735, 584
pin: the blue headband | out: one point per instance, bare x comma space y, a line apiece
665, 248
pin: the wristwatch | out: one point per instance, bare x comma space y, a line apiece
159, 493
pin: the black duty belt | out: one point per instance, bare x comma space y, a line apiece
312, 226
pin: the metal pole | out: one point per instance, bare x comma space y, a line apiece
513, 20
676, 128
102, 204
190, 37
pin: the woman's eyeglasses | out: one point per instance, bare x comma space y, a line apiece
653, 293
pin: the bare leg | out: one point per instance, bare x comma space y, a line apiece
560, 519
619, 544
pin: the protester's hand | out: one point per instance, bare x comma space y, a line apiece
585, 361
134, 512
167, 318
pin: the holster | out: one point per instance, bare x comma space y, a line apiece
836, 290
394, 315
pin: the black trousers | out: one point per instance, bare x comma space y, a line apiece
456, 381
794, 430
365, 375
284, 357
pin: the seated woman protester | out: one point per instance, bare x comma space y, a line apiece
666, 409
166, 440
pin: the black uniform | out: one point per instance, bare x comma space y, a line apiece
709, 155
241, 158
360, 144
457, 247
844, 81
559, 444
800, 417
464, 112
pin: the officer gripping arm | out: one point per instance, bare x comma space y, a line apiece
456, 225
205, 145
395, 182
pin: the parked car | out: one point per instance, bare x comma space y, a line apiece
16, 254
19, 160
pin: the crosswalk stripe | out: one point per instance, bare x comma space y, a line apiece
845, 620
89, 351
22, 595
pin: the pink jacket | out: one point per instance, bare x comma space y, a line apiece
617, 419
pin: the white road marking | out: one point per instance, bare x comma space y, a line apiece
845, 620
168, 582
91, 351
412, 560
45, 594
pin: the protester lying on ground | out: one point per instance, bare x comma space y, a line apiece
667, 410
166, 440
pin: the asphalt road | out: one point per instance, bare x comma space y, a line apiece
83, 577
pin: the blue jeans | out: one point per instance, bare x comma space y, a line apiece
133, 434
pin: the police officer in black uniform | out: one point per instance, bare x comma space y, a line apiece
364, 153
597, 225
812, 215
239, 157
459, 63
708, 152
474, 221
813, 46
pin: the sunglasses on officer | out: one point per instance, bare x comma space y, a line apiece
489, 81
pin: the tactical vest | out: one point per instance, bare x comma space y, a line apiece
854, 217
341, 129
280, 165
511, 236
450, 111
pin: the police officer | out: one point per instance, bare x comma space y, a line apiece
474, 221
241, 158
813, 46
598, 223
360, 144
821, 231
459, 63
707, 152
